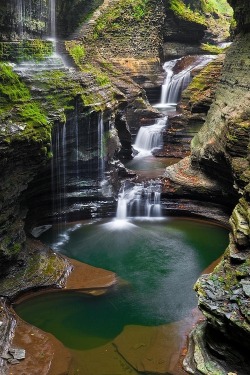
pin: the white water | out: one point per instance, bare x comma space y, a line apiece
174, 84
100, 146
150, 137
139, 200
53, 19
19, 12
58, 168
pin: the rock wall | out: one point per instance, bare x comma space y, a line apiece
220, 151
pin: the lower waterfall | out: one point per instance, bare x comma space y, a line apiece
139, 200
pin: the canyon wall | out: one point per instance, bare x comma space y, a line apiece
220, 153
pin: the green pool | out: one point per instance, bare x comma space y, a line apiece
160, 261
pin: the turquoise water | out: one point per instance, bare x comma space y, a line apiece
160, 260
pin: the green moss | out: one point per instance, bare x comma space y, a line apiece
76, 50
11, 88
214, 50
18, 107
216, 6
31, 113
62, 90
185, 12
35, 50
99, 76
120, 13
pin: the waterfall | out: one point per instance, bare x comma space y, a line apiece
139, 200
59, 170
150, 137
174, 84
101, 146
53, 19
19, 12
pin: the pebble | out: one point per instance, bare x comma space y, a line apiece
17, 353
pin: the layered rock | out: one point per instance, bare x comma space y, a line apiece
221, 151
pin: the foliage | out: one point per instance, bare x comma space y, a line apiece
216, 6
18, 106
119, 13
11, 88
218, 14
215, 50
185, 12
32, 113
76, 50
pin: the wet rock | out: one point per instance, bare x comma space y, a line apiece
6, 356
13, 361
17, 353
246, 287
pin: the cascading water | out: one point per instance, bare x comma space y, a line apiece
139, 200
174, 84
150, 137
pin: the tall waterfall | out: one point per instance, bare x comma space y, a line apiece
19, 12
150, 137
59, 170
101, 146
53, 19
139, 200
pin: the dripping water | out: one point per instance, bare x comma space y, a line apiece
53, 19
19, 12
101, 147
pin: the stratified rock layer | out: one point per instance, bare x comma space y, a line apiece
221, 151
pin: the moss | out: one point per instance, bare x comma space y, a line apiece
10, 249
18, 108
72, 14
218, 13
99, 76
35, 50
120, 13
186, 13
11, 87
62, 91
216, 6
76, 50
31, 113
214, 50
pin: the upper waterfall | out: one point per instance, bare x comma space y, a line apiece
53, 19
177, 79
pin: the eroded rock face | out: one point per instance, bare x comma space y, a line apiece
221, 151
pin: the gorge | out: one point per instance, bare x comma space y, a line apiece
97, 167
